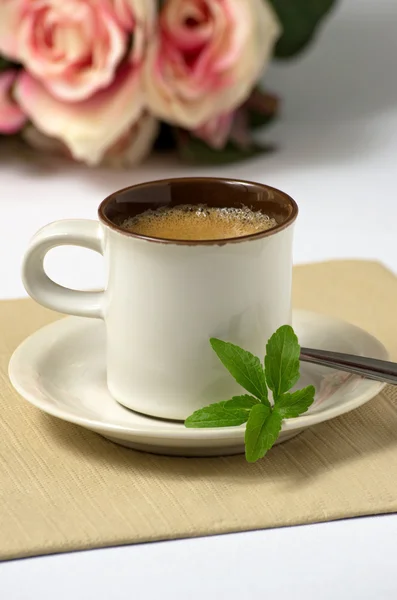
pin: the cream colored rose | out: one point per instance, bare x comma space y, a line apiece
132, 148
207, 57
89, 128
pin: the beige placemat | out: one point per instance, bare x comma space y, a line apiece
64, 488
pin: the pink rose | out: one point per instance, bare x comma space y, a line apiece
11, 116
216, 131
207, 57
73, 47
84, 59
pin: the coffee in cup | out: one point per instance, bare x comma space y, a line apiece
200, 222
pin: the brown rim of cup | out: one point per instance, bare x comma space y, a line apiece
211, 191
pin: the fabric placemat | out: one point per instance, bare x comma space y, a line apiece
64, 488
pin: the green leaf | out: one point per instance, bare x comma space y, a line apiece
246, 368
282, 361
241, 403
216, 415
4, 63
263, 428
193, 150
293, 405
300, 20
257, 120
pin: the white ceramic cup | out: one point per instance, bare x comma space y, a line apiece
165, 299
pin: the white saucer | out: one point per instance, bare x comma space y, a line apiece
61, 370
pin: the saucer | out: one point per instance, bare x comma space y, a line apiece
60, 369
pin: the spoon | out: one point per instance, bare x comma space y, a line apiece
371, 368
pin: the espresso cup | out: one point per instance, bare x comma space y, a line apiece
165, 299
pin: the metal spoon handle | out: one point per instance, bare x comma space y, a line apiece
371, 368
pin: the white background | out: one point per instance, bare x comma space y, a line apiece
337, 157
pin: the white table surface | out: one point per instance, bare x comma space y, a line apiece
337, 157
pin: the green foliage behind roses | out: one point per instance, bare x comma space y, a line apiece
300, 20
4, 64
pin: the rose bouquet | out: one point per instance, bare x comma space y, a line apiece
108, 80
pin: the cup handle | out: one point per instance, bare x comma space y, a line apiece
79, 232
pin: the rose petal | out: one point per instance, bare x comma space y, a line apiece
135, 145
10, 11
12, 118
216, 131
127, 151
137, 17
